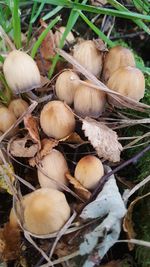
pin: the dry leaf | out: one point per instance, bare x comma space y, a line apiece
47, 47
74, 138
103, 139
80, 190
98, 2
19, 148
32, 127
128, 222
100, 45
47, 146
10, 242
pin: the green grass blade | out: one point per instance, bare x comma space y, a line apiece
52, 13
16, 23
1, 59
38, 12
97, 10
96, 30
70, 24
43, 35
30, 23
120, 7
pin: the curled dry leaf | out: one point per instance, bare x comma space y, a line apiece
80, 190
19, 148
128, 222
74, 138
32, 127
103, 139
10, 243
47, 145
47, 48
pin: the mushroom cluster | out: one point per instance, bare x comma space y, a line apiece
48, 208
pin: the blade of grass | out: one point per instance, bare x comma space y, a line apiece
16, 23
97, 10
70, 24
1, 59
96, 30
38, 12
43, 35
30, 23
52, 13
120, 7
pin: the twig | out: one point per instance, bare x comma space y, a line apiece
136, 242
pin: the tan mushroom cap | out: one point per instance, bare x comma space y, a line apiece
89, 171
55, 166
57, 120
45, 211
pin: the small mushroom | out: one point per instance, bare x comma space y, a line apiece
7, 119
18, 107
59, 33
45, 211
89, 101
55, 166
21, 72
66, 85
89, 56
117, 57
57, 120
128, 81
89, 171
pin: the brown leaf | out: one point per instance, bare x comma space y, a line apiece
103, 139
18, 148
98, 2
74, 138
80, 190
32, 127
128, 224
100, 45
10, 242
47, 48
47, 146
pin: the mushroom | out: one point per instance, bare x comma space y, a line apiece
55, 166
89, 171
45, 211
117, 57
89, 56
128, 81
18, 107
89, 101
7, 119
59, 33
21, 72
57, 120
66, 85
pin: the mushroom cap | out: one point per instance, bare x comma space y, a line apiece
89, 101
55, 166
89, 171
89, 56
21, 72
117, 57
128, 81
7, 118
45, 211
66, 85
57, 120
18, 107
59, 33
